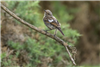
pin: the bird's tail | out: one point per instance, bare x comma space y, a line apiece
60, 30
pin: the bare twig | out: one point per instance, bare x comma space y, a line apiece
70, 55
39, 30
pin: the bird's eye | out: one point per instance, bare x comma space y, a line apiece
48, 14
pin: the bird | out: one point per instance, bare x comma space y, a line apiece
51, 22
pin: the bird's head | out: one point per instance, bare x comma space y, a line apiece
47, 13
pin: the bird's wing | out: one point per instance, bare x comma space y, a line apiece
53, 21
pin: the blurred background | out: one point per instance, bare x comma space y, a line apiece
22, 46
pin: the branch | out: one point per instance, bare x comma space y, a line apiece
39, 30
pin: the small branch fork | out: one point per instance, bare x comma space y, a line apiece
40, 31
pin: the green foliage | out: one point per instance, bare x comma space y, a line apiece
6, 62
29, 11
16, 46
36, 50
61, 13
63, 16
2, 55
45, 47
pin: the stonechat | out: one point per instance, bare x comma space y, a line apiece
51, 22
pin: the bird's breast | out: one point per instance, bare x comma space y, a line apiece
49, 25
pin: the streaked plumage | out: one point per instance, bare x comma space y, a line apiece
51, 22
